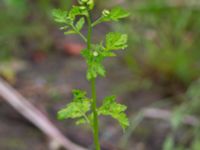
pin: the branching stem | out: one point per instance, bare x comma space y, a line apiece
97, 21
93, 90
78, 32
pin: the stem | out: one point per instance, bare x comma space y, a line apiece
93, 88
95, 115
85, 117
82, 36
97, 22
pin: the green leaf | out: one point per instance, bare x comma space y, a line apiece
77, 108
79, 95
74, 110
114, 109
60, 16
94, 58
80, 23
95, 69
80, 121
116, 14
115, 41
77, 10
83, 120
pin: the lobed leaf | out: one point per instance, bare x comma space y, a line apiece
74, 110
94, 58
60, 16
77, 10
95, 69
77, 108
81, 121
115, 41
114, 109
116, 14
79, 95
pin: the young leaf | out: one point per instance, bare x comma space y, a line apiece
95, 69
114, 109
77, 10
115, 41
115, 14
60, 16
94, 60
80, 23
79, 95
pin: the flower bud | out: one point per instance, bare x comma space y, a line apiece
82, 1
90, 3
106, 12
95, 54
82, 7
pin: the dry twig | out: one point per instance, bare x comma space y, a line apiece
31, 113
156, 113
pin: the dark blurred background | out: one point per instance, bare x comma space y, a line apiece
157, 76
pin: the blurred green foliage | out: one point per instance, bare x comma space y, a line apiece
24, 25
189, 138
164, 48
165, 40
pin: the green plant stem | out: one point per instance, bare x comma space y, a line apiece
93, 89
95, 115
97, 22
78, 32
